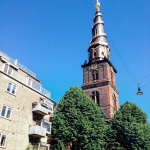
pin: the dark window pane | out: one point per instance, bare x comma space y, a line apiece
9, 87
3, 111
46, 125
93, 97
2, 142
93, 77
97, 100
8, 113
14, 89
96, 76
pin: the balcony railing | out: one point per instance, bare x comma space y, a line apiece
37, 131
36, 86
44, 124
40, 109
15, 62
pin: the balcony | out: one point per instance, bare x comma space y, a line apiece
37, 131
40, 109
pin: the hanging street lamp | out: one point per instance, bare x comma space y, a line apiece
139, 92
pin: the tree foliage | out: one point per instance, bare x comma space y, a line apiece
78, 122
129, 129
30, 147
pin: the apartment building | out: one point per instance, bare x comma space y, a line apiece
26, 108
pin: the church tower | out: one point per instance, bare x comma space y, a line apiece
99, 75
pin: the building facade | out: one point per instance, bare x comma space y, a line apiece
25, 108
99, 75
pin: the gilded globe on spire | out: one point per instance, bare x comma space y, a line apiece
97, 5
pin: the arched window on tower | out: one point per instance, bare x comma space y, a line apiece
96, 32
93, 33
95, 97
94, 54
114, 102
94, 75
111, 77
102, 54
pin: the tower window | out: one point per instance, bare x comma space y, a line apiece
95, 97
93, 33
94, 54
114, 102
111, 77
94, 75
96, 31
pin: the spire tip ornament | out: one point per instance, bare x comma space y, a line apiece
97, 5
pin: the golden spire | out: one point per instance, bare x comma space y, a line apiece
97, 5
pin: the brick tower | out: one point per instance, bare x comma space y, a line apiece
99, 75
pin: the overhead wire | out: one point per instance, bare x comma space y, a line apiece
135, 88
89, 8
134, 81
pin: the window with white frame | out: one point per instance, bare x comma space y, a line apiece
8, 69
33, 84
48, 103
29, 81
11, 88
2, 139
47, 125
6, 112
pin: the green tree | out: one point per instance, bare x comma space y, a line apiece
59, 145
30, 147
79, 122
129, 129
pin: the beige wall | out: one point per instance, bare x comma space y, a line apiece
17, 128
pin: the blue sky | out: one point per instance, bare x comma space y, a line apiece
52, 37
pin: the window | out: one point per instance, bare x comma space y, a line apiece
33, 84
94, 75
2, 140
48, 103
46, 125
114, 102
111, 77
95, 97
96, 31
102, 54
11, 88
8, 69
93, 33
29, 82
6, 112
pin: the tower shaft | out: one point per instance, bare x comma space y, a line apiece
99, 75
